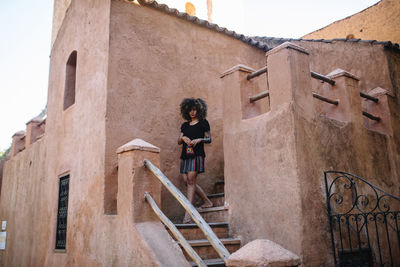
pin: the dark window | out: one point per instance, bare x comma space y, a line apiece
70, 80
61, 234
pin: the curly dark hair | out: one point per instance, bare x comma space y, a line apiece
188, 104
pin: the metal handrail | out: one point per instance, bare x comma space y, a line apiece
167, 222
327, 100
321, 77
369, 97
201, 223
370, 116
257, 73
259, 96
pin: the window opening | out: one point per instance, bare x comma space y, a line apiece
61, 232
70, 80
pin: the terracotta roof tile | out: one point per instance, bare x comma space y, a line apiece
264, 43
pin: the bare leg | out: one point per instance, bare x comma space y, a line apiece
200, 192
203, 196
191, 188
191, 185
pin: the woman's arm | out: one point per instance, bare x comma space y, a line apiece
206, 139
182, 139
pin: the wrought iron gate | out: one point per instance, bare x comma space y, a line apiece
364, 221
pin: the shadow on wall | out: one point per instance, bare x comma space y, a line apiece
4, 156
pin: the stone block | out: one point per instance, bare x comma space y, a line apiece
262, 252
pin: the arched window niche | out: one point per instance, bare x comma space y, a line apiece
70, 80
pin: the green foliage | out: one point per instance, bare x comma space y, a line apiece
4, 153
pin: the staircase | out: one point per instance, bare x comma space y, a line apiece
217, 218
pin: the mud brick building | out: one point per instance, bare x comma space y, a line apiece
73, 188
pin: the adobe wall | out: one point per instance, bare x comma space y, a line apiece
378, 22
75, 145
156, 60
282, 155
369, 62
59, 10
22, 188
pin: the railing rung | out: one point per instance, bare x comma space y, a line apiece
186, 246
201, 223
257, 73
258, 96
370, 116
369, 97
322, 78
327, 100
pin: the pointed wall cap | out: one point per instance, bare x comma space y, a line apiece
378, 91
262, 252
36, 119
239, 67
287, 45
138, 144
339, 72
20, 133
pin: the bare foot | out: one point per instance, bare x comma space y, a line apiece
187, 219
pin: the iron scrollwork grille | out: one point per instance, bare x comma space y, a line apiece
61, 231
364, 221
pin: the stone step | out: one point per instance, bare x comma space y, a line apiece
217, 199
191, 231
219, 187
211, 263
206, 251
214, 214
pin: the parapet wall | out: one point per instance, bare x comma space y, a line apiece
378, 22
274, 161
21, 205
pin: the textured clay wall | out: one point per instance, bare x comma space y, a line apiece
379, 22
156, 60
76, 143
275, 161
23, 186
368, 62
60, 8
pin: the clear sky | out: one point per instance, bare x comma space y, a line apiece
25, 30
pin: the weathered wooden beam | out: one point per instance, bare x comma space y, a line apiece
370, 116
322, 78
327, 100
201, 223
369, 97
257, 73
186, 246
258, 96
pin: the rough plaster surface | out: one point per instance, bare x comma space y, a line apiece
22, 186
60, 8
150, 74
263, 253
378, 22
366, 61
276, 161
76, 137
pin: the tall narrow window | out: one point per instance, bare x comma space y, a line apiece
70, 80
61, 232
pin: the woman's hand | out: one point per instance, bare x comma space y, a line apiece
196, 141
186, 140
183, 139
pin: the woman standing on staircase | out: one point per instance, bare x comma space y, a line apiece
194, 133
